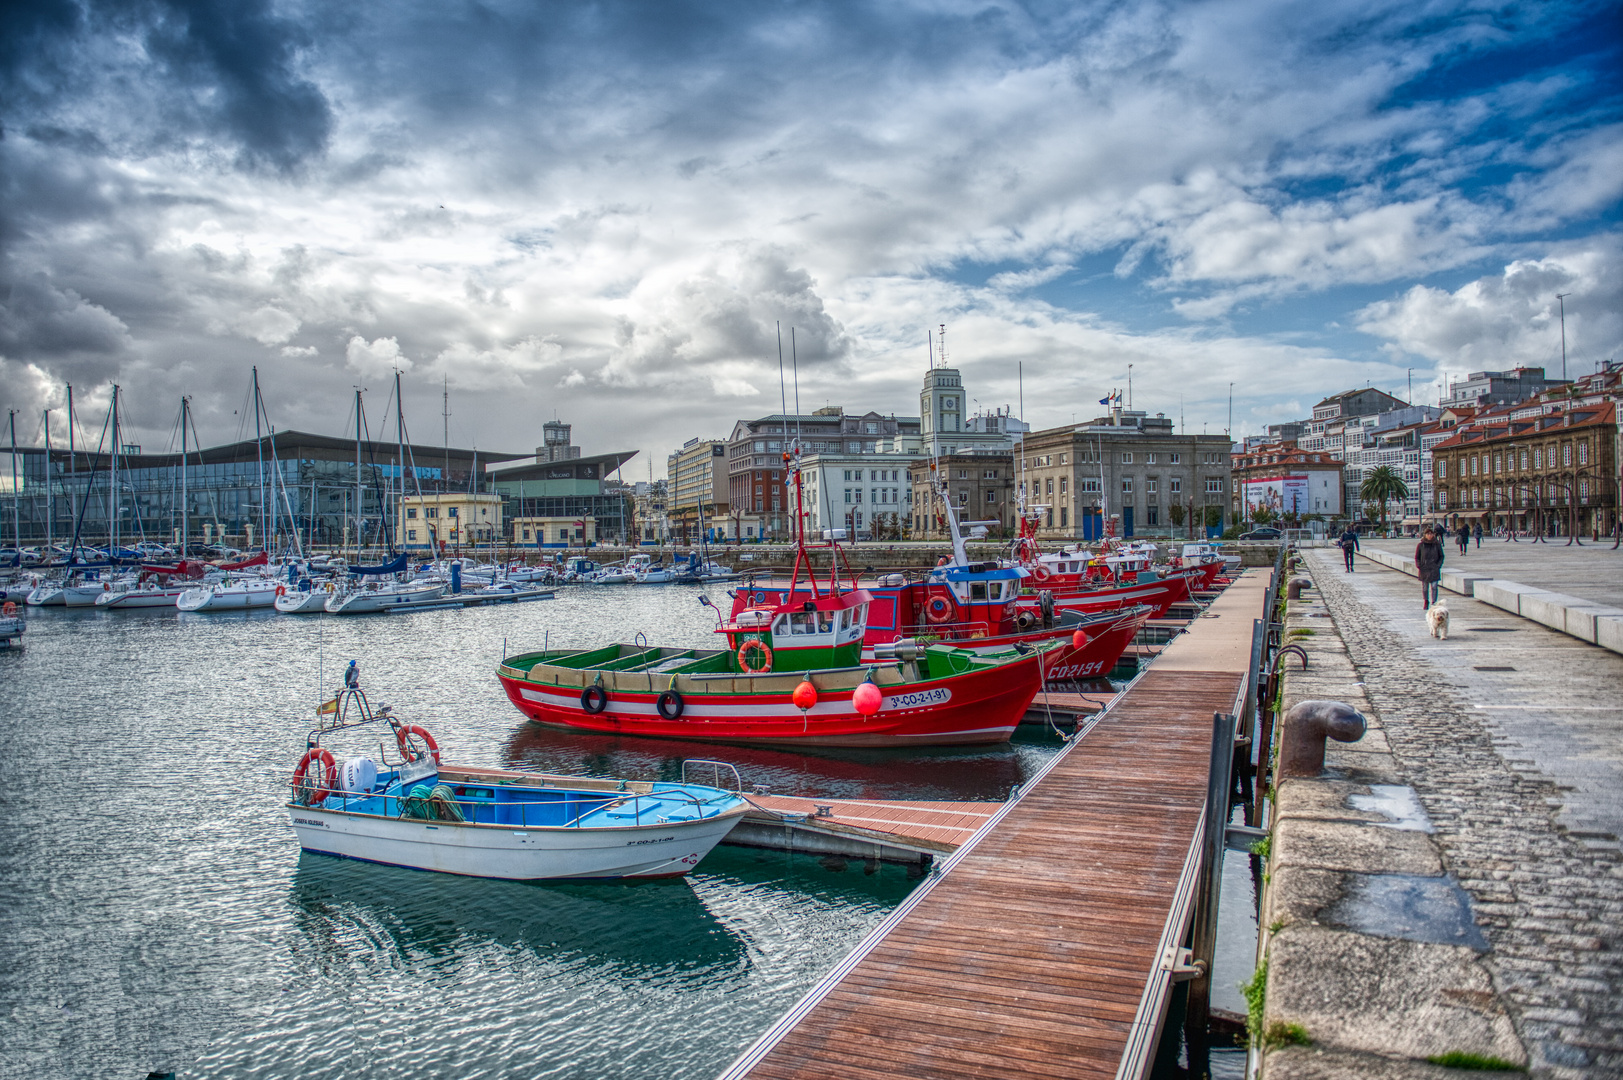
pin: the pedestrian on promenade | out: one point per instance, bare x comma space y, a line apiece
1428, 560
1476, 533
1464, 536
1348, 544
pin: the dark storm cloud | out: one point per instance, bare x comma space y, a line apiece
218, 69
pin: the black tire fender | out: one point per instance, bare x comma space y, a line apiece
594, 699
670, 705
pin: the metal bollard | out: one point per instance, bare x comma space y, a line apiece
1304, 729
1293, 591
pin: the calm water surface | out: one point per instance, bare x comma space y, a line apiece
159, 916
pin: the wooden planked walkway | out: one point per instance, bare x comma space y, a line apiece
1029, 955
935, 827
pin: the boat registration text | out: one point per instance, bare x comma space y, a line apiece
918, 698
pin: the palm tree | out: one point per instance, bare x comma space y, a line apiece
1382, 485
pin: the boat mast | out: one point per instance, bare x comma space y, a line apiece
16, 492
49, 508
400, 454
185, 506
259, 457
72, 477
112, 485
357, 474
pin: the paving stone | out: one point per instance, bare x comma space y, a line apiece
1521, 773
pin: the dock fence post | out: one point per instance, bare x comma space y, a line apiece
1203, 929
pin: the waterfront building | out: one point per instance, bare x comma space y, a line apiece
1124, 472
1286, 480
553, 531
445, 521
697, 485
649, 509
981, 485
759, 496
1537, 466
559, 486
292, 479
868, 495
555, 443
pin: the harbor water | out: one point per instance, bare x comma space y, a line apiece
159, 916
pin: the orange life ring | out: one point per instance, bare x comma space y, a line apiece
281, 590
402, 736
329, 779
1041, 572
748, 649
10, 609
938, 610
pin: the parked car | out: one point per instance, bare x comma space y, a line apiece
1267, 532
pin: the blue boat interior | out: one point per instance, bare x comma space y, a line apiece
529, 806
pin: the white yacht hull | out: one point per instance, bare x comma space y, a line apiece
228, 597
140, 598
302, 603
371, 601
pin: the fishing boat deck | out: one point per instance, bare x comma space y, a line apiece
1030, 953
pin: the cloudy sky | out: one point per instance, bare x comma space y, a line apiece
604, 211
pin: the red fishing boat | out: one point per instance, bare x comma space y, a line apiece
793, 672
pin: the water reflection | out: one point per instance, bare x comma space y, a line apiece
641, 928
943, 773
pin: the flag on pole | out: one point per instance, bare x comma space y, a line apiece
327, 708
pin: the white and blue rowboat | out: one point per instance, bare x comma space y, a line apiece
493, 823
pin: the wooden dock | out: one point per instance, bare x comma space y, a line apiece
881, 829
1039, 949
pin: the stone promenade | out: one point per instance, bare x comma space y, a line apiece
1512, 737
1592, 571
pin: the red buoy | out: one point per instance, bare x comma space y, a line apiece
867, 699
805, 695
1078, 640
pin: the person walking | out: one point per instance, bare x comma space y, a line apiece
1428, 561
1348, 544
1464, 536
1476, 534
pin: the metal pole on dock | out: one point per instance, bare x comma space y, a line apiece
1203, 929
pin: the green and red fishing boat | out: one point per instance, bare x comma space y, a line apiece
793, 672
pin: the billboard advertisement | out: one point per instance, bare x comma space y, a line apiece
1282, 494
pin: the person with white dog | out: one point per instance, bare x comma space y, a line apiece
1428, 560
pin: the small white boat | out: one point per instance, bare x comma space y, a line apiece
297, 602
87, 593
656, 575
373, 597
493, 823
46, 594
229, 596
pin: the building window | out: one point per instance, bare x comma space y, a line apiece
1177, 483
1063, 458
411, 534
1062, 482
1127, 485
1442, 468
1151, 485
1214, 486
1152, 516
1149, 459
1538, 457
1089, 486
433, 512
1064, 516
848, 496
411, 512
1566, 455
1176, 459
1050, 487
1583, 453
1127, 458
963, 498
991, 497
963, 474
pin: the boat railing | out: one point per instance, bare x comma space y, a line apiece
717, 769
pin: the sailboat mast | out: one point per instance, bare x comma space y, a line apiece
259, 457
49, 508
399, 454
112, 485
357, 473
16, 492
185, 505
71, 470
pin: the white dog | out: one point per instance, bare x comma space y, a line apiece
1437, 620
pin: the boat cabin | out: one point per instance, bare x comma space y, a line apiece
799, 633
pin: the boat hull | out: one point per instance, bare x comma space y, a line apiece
141, 598
227, 598
372, 602
509, 852
976, 708
301, 603
84, 595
